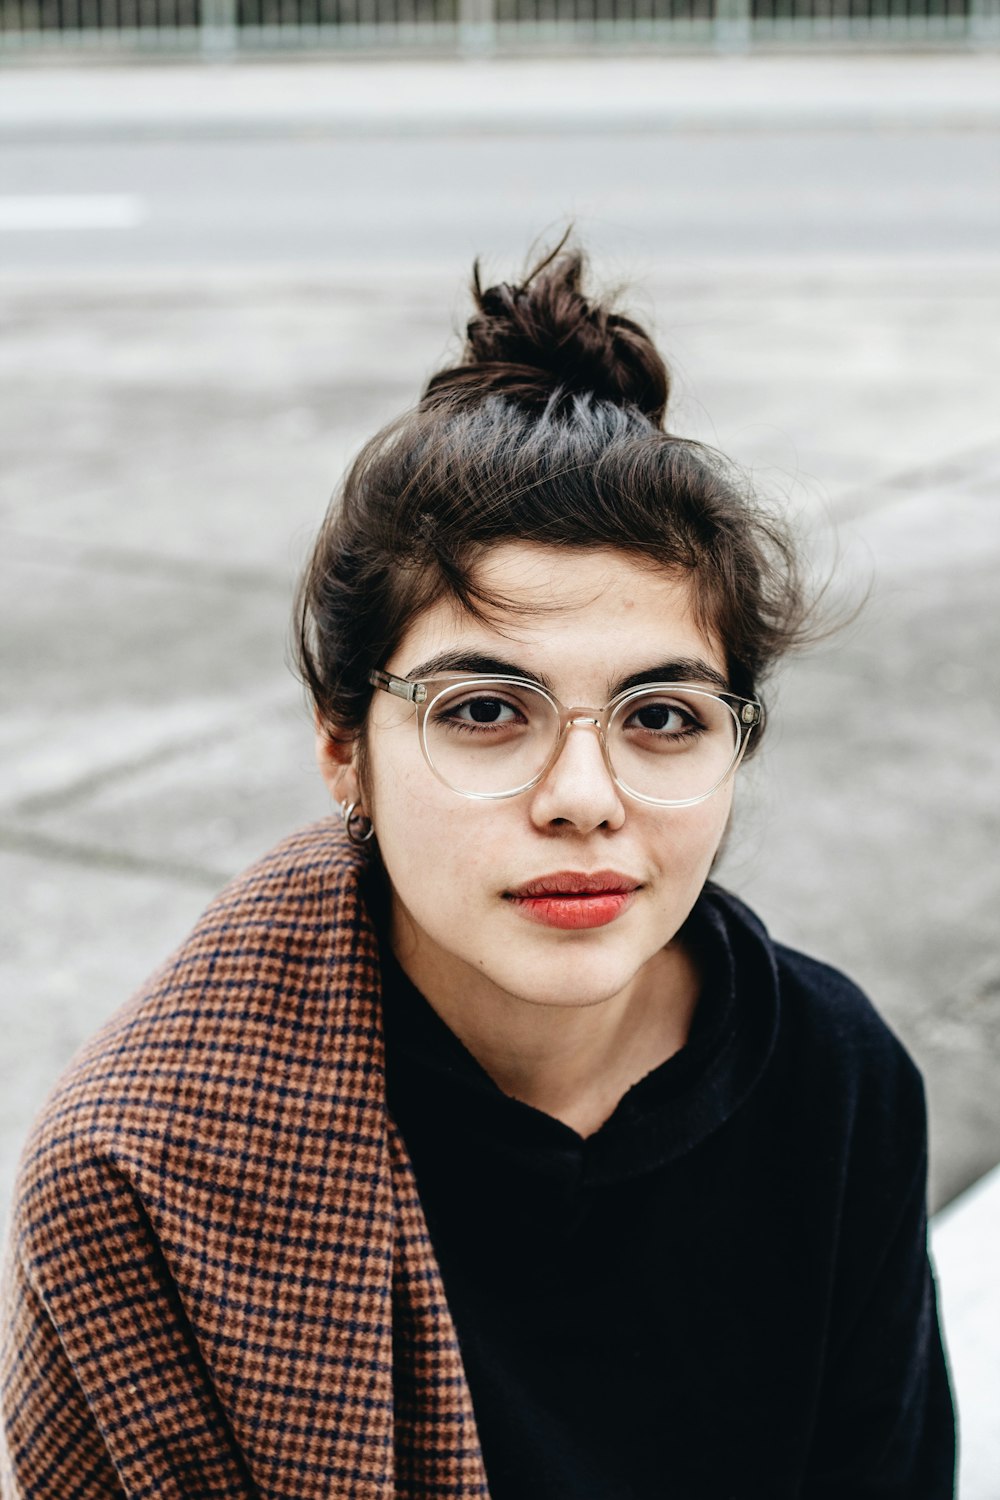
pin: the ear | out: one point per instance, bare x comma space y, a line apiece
336, 760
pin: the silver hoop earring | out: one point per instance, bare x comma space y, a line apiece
352, 817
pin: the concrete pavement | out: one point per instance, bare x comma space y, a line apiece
169, 450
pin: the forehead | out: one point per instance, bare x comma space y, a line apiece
568, 608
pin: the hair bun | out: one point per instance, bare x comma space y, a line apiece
542, 343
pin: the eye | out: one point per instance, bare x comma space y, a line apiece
663, 717
482, 711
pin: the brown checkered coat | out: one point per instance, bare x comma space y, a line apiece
220, 1281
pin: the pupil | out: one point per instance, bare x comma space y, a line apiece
654, 717
485, 710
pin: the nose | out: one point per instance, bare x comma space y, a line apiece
577, 790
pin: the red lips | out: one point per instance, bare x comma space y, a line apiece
572, 900
575, 883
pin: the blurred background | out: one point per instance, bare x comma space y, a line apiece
235, 237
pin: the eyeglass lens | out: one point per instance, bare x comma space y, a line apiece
491, 738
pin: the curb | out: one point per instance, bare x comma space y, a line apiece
536, 97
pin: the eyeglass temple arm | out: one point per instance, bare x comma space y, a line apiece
413, 692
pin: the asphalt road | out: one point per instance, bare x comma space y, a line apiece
435, 201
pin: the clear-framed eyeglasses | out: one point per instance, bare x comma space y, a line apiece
491, 737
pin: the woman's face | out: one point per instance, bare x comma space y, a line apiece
586, 621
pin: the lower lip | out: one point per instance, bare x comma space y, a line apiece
573, 912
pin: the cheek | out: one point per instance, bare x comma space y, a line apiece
713, 823
434, 846
690, 841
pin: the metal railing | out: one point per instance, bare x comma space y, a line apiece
225, 27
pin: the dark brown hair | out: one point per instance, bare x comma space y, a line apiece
549, 430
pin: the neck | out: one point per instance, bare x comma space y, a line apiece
574, 1062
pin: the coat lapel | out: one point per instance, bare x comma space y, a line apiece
284, 1202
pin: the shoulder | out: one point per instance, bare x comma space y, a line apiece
263, 946
833, 1048
829, 1017
229, 1040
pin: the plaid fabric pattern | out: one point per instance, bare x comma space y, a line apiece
219, 1280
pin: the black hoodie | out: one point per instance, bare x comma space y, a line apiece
723, 1293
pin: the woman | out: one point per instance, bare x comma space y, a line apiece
476, 1144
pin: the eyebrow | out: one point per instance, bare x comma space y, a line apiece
677, 669
681, 669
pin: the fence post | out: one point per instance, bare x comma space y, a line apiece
732, 26
477, 26
219, 31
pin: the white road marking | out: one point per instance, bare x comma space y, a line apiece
71, 211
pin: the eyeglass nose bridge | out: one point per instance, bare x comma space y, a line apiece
579, 717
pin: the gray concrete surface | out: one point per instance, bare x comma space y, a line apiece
176, 408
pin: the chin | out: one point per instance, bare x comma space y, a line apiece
577, 1001
570, 985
